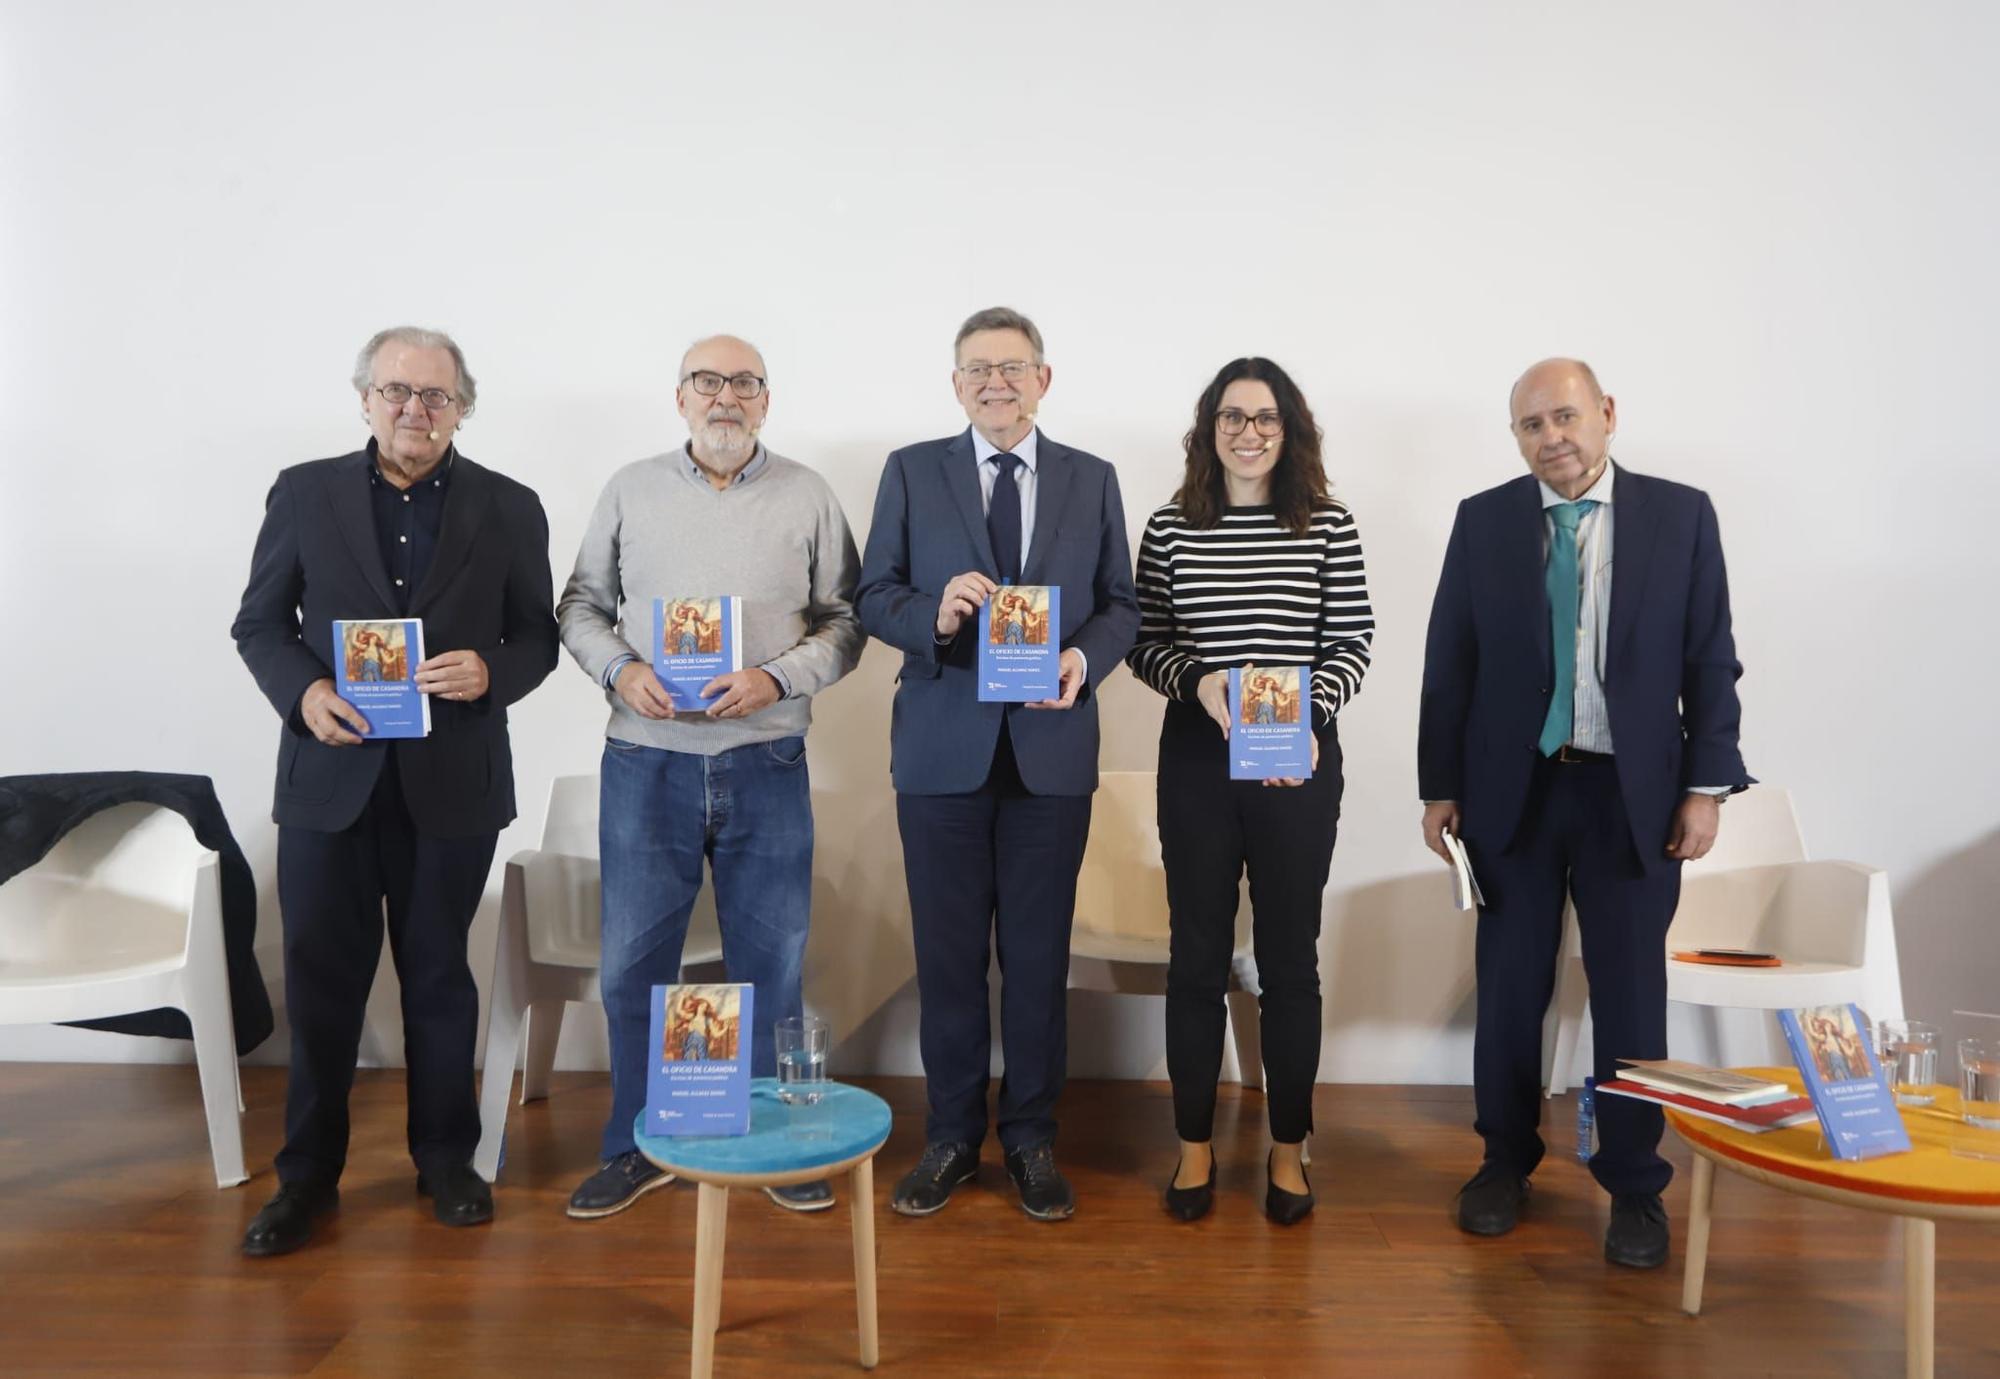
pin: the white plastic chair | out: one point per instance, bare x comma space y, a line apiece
1829, 921
547, 953
124, 914
1119, 940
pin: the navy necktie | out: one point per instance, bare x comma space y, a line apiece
1003, 519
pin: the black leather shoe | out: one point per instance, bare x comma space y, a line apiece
286, 1221
1637, 1236
1045, 1193
1286, 1208
459, 1197
616, 1186
928, 1186
1491, 1203
1190, 1203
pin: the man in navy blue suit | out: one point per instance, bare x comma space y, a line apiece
993, 800
1578, 733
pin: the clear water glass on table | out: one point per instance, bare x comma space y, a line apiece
1979, 1082
1909, 1053
802, 1042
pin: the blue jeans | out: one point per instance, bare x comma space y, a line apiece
748, 811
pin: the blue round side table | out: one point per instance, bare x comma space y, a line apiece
787, 1143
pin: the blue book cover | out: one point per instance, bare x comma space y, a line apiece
1857, 1112
375, 669
695, 640
1271, 723
699, 1080
1020, 652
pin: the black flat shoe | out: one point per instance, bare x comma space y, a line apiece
459, 1197
286, 1221
1286, 1208
1637, 1236
1491, 1203
1190, 1203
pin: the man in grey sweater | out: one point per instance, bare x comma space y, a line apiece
722, 517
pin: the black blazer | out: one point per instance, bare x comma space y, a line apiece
488, 590
1670, 664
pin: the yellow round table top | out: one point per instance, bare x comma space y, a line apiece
1930, 1173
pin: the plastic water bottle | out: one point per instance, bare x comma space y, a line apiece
1586, 1120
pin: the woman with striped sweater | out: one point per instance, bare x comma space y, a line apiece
1253, 563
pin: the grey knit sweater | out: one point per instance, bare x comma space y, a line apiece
776, 538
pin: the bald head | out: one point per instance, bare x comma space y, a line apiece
704, 353
1563, 422
1551, 370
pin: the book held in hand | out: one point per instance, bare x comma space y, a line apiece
698, 1079
1857, 1112
1465, 892
1270, 717
695, 640
1020, 660
375, 669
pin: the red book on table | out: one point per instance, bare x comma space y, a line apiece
1772, 1115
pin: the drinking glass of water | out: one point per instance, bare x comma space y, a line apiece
1979, 1082
1909, 1053
801, 1044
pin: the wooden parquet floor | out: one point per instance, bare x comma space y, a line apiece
118, 1256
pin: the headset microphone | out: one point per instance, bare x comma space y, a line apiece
434, 435
1267, 444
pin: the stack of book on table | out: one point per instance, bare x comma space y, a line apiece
1748, 1103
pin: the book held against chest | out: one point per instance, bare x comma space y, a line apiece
1020, 661
1270, 723
375, 669
695, 640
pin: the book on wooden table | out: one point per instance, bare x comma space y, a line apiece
1719, 1085
1020, 656
375, 669
1857, 1111
695, 639
698, 1076
1769, 1115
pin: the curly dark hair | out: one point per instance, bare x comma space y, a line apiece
1299, 480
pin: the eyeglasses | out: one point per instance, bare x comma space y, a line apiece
396, 394
1230, 422
1013, 370
709, 383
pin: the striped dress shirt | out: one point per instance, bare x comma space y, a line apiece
1248, 590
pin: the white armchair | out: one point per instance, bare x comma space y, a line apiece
546, 956
1829, 921
124, 914
1119, 940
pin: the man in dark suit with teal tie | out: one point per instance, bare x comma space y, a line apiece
1578, 731
993, 800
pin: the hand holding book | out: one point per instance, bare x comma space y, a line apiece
459, 675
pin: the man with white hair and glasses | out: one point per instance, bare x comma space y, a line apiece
406, 527
719, 517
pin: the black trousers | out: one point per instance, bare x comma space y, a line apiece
994, 868
333, 889
1211, 829
1573, 840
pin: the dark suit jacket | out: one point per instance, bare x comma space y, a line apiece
487, 590
1670, 664
930, 525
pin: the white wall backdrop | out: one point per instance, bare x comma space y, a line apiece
1770, 227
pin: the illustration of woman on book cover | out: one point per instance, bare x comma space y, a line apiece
374, 653
1021, 617
694, 627
1834, 1051
703, 1024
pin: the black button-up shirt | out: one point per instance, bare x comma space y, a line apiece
407, 522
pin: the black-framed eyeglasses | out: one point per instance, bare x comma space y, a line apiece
1230, 422
1013, 370
396, 394
709, 383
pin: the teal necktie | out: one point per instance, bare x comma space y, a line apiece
1560, 580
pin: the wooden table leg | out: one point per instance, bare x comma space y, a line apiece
711, 1223
1701, 1193
861, 1206
1919, 1296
